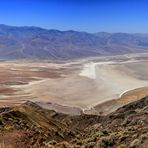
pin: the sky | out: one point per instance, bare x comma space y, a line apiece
130, 16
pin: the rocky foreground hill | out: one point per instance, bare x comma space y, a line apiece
39, 43
29, 125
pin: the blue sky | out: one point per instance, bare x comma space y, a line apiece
81, 15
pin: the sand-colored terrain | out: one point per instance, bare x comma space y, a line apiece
78, 84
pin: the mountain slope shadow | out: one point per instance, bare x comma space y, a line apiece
29, 125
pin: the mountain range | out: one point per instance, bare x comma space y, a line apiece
39, 43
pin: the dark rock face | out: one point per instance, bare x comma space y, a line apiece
135, 113
35, 42
134, 105
4, 109
29, 125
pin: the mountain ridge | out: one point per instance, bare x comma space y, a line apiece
38, 43
30, 125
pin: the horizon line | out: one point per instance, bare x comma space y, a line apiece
50, 29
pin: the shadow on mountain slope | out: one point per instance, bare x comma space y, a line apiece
29, 125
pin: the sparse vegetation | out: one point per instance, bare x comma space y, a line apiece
29, 125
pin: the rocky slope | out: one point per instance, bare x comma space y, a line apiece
29, 125
35, 42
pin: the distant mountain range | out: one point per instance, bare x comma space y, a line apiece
35, 42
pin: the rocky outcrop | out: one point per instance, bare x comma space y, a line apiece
29, 125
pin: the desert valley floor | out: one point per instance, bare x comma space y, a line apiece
75, 86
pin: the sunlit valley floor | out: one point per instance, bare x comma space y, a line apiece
75, 86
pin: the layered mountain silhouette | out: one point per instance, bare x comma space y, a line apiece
35, 42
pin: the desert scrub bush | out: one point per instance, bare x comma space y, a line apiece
50, 146
78, 146
135, 143
105, 132
105, 142
63, 144
98, 134
52, 142
122, 146
91, 139
77, 142
1, 121
131, 128
8, 127
59, 134
143, 137
124, 136
90, 145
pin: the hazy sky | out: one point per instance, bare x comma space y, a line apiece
80, 15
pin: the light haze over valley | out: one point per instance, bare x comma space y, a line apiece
73, 74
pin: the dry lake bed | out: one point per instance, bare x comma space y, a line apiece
73, 86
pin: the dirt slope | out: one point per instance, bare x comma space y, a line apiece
29, 125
